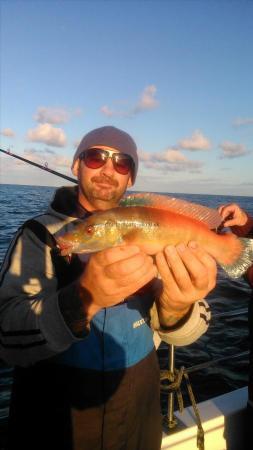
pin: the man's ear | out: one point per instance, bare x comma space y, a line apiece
129, 183
75, 167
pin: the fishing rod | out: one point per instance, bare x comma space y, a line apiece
40, 166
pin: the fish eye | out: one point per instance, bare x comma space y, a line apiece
89, 230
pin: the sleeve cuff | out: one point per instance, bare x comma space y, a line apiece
196, 325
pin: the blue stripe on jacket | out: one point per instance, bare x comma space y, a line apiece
120, 337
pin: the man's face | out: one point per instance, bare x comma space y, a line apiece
101, 188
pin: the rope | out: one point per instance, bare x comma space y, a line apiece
174, 386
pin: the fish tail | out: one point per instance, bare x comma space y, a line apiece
244, 260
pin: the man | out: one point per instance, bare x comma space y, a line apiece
80, 333
241, 223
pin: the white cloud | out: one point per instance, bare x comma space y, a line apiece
147, 99
8, 132
108, 112
51, 115
48, 157
196, 142
146, 102
243, 121
55, 116
76, 143
47, 134
169, 160
144, 156
34, 153
231, 150
170, 156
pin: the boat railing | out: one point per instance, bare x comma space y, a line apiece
175, 377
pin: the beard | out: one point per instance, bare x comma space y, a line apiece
102, 192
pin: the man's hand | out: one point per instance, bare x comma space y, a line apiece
112, 275
232, 215
188, 274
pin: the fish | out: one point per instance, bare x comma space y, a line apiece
152, 222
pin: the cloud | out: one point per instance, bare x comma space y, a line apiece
108, 112
170, 156
231, 150
247, 183
169, 160
147, 101
243, 121
54, 116
196, 142
34, 153
144, 156
48, 157
8, 132
47, 134
76, 142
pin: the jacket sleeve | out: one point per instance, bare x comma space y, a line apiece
188, 332
32, 326
245, 230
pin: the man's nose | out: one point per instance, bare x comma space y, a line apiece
108, 168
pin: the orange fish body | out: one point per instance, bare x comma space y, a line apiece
152, 228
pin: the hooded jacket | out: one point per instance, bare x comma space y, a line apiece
39, 315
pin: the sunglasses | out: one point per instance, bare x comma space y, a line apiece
94, 158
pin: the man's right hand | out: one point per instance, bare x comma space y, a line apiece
112, 275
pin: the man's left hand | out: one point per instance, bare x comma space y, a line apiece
188, 274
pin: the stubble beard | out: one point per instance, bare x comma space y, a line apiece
102, 197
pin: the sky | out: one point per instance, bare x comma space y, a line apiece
176, 75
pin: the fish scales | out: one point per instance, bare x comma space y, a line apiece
152, 229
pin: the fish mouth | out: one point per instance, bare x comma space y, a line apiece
65, 248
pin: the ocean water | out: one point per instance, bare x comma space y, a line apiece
226, 336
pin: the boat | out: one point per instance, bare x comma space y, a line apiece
214, 424
222, 419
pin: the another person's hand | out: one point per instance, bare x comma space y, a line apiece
232, 215
113, 274
188, 274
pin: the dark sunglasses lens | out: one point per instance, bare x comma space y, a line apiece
123, 164
94, 159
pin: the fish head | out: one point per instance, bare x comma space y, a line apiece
93, 234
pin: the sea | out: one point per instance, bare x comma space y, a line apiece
217, 362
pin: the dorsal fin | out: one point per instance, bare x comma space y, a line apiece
209, 216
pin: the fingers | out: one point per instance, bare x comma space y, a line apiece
134, 266
138, 280
232, 215
204, 268
122, 277
132, 273
164, 266
115, 254
189, 267
172, 268
197, 272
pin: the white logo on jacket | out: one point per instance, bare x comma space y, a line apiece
140, 322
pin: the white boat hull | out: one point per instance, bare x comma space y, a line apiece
222, 418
